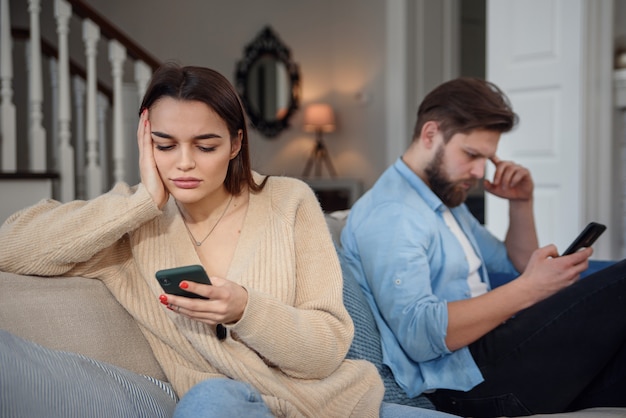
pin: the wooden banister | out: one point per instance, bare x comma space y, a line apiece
110, 31
85, 150
50, 50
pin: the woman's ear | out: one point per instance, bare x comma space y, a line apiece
235, 144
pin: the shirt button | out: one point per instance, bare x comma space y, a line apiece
398, 281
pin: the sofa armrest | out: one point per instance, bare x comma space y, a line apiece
75, 314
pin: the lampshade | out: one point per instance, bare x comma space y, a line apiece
319, 117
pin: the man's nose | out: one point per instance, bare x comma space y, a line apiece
478, 169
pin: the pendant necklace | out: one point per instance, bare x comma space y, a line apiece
195, 241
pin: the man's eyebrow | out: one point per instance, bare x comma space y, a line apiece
201, 136
477, 152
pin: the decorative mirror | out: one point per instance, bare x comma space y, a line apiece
268, 83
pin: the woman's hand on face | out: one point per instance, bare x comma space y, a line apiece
150, 176
224, 304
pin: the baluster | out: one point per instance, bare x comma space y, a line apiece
53, 142
37, 134
7, 107
143, 72
103, 107
117, 56
91, 35
65, 152
79, 133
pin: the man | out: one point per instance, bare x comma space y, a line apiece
424, 263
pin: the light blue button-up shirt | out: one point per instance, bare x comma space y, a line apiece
409, 264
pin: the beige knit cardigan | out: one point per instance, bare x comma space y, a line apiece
290, 343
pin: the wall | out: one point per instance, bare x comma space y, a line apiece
338, 45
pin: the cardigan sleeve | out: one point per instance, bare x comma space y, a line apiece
309, 338
51, 238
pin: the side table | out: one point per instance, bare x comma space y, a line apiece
335, 193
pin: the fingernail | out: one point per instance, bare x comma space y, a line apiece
163, 299
184, 285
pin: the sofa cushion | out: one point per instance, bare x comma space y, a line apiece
40, 382
75, 314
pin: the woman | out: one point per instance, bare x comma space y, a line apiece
276, 281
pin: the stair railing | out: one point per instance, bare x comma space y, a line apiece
76, 153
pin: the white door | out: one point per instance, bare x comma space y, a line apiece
535, 54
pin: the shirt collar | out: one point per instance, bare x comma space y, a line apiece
419, 186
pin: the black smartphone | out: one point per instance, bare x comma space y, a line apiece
170, 279
587, 237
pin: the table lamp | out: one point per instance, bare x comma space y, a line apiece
319, 118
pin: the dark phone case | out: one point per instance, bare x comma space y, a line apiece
169, 279
586, 238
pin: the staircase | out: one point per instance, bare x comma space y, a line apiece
64, 110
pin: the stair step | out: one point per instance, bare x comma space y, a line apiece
27, 175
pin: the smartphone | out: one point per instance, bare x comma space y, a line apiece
170, 279
587, 237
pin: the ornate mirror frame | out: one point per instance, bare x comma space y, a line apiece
267, 45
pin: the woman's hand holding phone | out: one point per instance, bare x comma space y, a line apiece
214, 301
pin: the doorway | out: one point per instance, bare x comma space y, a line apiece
472, 63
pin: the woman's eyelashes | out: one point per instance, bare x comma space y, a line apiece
201, 148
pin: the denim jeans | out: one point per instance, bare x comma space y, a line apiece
217, 398
565, 353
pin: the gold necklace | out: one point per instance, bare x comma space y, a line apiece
193, 239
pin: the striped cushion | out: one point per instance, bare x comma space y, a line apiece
39, 382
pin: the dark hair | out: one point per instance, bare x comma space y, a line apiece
465, 104
210, 87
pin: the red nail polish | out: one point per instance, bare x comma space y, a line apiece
184, 285
163, 299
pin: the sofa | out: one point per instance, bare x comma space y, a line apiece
79, 315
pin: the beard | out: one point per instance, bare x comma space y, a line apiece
451, 193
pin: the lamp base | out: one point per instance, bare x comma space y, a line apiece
319, 156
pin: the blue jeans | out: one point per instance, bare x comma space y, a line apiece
566, 353
217, 398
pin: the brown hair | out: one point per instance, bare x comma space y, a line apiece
465, 104
210, 87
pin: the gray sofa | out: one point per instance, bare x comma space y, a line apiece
80, 315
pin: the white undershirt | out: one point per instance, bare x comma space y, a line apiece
476, 285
